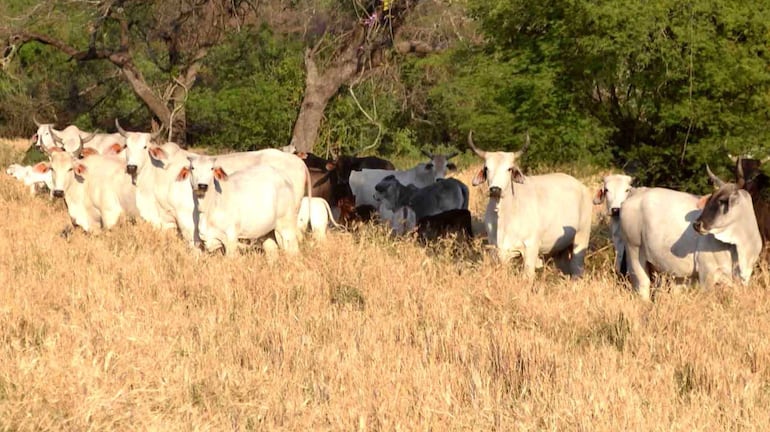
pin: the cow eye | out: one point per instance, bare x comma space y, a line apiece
429, 166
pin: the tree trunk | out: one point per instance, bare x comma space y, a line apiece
320, 88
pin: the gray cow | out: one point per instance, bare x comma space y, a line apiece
445, 194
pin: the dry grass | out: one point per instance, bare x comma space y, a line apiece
129, 331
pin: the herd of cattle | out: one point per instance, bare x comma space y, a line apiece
275, 195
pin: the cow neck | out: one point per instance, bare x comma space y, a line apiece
747, 242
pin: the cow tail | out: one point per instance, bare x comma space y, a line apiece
331, 215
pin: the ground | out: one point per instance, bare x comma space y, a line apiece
130, 331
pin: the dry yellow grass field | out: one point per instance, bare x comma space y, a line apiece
130, 331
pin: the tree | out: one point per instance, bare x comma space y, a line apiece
343, 46
673, 82
157, 46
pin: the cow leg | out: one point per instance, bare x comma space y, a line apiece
287, 240
531, 257
640, 278
110, 218
579, 249
271, 249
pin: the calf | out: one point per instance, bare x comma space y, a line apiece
320, 215
32, 176
451, 222
446, 194
615, 189
349, 213
362, 182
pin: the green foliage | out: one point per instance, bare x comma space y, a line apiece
670, 81
248, 93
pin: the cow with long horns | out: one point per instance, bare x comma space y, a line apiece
534, 215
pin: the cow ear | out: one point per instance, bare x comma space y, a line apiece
115, 148
80, 169
451, 166
157, 153
599, 197
183, 174
480, 177
702, 201
734, 197
517, 176
41, 167
219, 174
88, 151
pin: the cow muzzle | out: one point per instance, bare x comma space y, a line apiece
200, 191
58, 193
131, 169
615, 212
495, 192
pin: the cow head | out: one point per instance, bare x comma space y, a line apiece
500, 169
720, 209
723, 208
439, 164
203, 172
615, 190
62, 167
136, 146
387, 191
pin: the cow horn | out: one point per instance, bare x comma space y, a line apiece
523, 148
480, 153
154, 136
120, 129
80, 147
34, 119
88, 138
716, 180
428, 154
740, 177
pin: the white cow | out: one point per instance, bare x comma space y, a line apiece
362, 183
31, 175
74, 140
248, 204
546, 214
615, 189
96, 189
659, 225
315, 212
292, 167
164, 196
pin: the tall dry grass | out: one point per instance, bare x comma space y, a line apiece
130, 331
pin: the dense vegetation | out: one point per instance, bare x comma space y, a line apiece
659, 88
